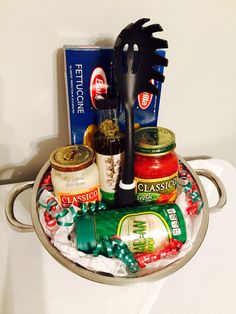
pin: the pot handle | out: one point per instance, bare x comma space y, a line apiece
9, 207
219, 186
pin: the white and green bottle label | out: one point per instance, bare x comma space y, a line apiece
143, 228
110, 170
150, 231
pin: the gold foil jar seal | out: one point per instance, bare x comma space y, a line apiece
72, 158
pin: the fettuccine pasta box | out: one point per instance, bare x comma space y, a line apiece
88, 73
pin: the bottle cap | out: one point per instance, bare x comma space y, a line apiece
85, 233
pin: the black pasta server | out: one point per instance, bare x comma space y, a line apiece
133, 67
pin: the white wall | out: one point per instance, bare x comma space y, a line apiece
198, 99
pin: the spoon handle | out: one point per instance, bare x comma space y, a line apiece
128, 174
125, 195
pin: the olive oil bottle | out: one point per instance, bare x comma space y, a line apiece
109, 148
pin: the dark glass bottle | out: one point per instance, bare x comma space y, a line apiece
109, 147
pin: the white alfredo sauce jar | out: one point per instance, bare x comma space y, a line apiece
74, 174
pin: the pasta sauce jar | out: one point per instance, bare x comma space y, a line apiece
155, 166
74, 175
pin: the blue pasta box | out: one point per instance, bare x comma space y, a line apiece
88, 73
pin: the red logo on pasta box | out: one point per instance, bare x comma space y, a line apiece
144, 99
98, 84
91, 195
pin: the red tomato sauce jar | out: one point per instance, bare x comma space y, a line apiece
155, 166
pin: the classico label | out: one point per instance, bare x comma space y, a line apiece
156, 190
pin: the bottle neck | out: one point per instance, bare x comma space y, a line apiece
108, 140
108, 123
110, 114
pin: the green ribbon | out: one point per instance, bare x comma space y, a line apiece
48, 187
90, 208
83, 209
113, 247
104, 247
62, 214
187, 186
49, 205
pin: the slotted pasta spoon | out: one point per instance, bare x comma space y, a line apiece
133, 65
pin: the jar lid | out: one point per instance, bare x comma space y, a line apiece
72, 158
154, 141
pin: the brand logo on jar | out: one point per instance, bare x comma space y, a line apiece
163, 186
98, 84
85, 196
144, 99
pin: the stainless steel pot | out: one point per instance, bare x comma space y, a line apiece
140, 277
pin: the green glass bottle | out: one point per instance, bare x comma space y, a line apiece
109, 147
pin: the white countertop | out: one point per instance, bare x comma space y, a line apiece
31, 281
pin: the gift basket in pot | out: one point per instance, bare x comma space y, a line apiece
118, 206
